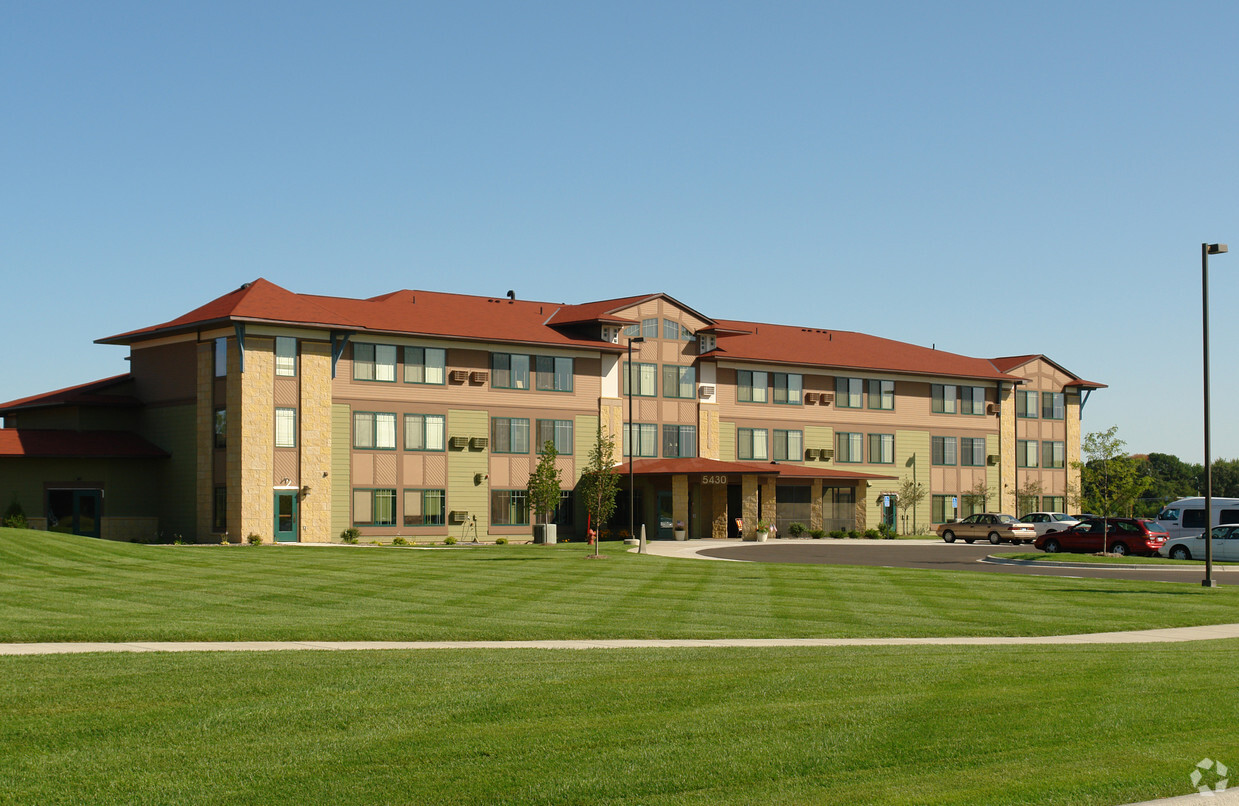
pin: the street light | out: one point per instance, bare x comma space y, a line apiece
632, 489
1207, 249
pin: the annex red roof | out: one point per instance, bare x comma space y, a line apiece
784, 344
665, 467
1010, 362
76, 444
94, 393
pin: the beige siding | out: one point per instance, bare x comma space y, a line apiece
727, 442
462, 465
341, 477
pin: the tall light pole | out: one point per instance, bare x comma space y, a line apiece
1207, 249
632, 454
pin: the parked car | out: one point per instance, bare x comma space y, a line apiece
1046, 522
1225, 545
1115, 535
993, 526
1186, 516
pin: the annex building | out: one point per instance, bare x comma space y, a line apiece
421, 414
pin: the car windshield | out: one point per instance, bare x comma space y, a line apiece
1168, 515
1004, 519
1062, 516
1154, 526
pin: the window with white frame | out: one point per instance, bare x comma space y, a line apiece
285, 356
972, 399
972, 451
374, 362
751, 443
882, 395
556, 432
679, 381
848, 393
1026, 453
943, 451
679, 441
285, 428
425, 365
788, 388
644, 379
751, 386
882, 449
646, 438
509, 435
849, 447
943, 398
1053, 454
374, 430
424, 507
424, 432
788, 445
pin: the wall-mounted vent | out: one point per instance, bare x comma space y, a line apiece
992, 459
826, 398
459, 443
460, 375
826, 454
991, 408
479, 443
810, 398
810, 454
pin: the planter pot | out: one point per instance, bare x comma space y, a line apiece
762, 537
680, 534
545, 533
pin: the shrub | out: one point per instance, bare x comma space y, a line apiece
501, 541
15, 516
872, 534
449, 541
853, 534
253, 539
838, 534
399, 541
796, 529
817, 534
350, 535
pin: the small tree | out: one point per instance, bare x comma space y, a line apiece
978, 494
599, 484
1110, 479
544, 483
1026, 497
15, 516
908, 496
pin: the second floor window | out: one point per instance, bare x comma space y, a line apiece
1026, 453
942, 451
751, 443
788, 445
509, 435
972, 451
644, 379
849, 447
556, 432
424, 432
679, 441
374, 430
221, 428
848, 393
424, 365
882, 449
679, 381
374, 362
1053, 454
788, 388
646, 439
285, 428
751, 386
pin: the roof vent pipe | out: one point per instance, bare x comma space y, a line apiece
511, 296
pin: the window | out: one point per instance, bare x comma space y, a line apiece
285, 356
509, 508
679, 381
564, 513
631, 331
1053, 406
788, 388
943, 451
1026, 453
221, 357
219, 510
882, 449
1053, 503
751, 386
425, 365
849, 447
649, 328
847, 393
554, 373
972, 399
1053, 454
788, 446
375, 431
943, 509
509, 435
285, 428
558, 433
943, 398
644, 378
671, 330
972, 452
679, 441
221, 428
882, 395
647, 439
1026, 404
751, 443
424, 432
509, 371
424, 507
374, 507
374, 362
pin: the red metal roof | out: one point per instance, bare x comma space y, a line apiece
1008, 363
662, 467
76, 444
85, 394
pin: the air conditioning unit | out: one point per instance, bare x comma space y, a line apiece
991, 408
479, 443
826, 454
810, 398
826, 398
992, 459
460, 443
460, 515
704, 391
460, 375
479, 376
810, 454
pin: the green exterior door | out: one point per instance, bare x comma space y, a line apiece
75, 512
665, 522
286, 516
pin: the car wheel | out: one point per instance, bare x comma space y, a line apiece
1180, 553
948, 536
1051, 546
1119, 549
994, 538
968, 540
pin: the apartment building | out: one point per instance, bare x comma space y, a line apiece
421, 414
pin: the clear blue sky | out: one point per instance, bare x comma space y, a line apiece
990, 178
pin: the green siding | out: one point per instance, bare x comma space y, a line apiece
174, 428
462, 465
341, 469
584, 432
726, 442
908, 443
819, 436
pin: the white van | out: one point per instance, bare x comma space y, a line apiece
1186, 517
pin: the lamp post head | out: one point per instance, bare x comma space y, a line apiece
1215, 248
641, 339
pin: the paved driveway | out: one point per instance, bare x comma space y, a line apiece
939, 556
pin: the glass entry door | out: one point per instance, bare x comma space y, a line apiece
286, 516
665, 522
75, 512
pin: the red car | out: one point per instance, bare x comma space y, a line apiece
1115, 535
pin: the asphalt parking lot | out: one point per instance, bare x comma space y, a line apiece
941, 556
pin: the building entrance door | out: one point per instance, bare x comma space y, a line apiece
75, 512
665, 520
285, 516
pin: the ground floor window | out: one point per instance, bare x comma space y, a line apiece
219, 510
424, 507
793, 504
565, 513
838, 508
374, 507
1053, 503
509, 508
944, 508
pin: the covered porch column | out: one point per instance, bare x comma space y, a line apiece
679, 499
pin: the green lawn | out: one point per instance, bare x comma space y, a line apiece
65, 588
891, 725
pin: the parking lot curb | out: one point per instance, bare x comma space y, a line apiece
1100, 566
